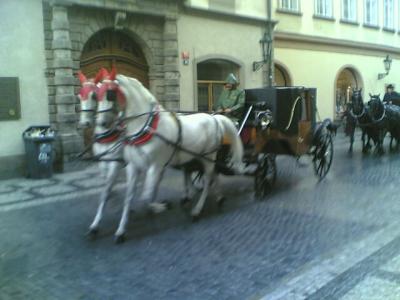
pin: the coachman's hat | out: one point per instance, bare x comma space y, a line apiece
231, 79
390, 86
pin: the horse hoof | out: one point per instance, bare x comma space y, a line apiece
195, 219
92, 233
221, 202
168, 204
184, 202
119, 239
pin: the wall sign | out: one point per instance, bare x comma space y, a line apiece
9, 99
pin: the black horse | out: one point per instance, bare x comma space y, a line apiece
389, 119
357, 114
380, 121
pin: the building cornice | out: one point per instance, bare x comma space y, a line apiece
126, 6
230, 15
336, 45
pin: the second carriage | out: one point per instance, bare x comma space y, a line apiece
280, 121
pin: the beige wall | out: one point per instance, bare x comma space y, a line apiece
308, 25
320, 69
207, 37
22, 55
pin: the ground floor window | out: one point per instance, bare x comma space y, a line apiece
211, 75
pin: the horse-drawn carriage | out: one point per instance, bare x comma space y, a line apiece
281, 121
132, 127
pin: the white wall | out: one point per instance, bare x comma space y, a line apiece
22, 55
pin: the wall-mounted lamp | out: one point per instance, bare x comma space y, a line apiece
266, 45
387, 62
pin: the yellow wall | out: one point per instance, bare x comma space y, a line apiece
216, 38
308, 25
320, 69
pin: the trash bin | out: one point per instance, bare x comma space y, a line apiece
39, 151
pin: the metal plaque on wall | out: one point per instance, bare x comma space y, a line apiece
9, 99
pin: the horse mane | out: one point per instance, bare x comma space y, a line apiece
135, 86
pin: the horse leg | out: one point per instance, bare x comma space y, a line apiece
150, 188
380, 142
131, 186
207, 176
112, 175
217, 190
188, 188
351, 141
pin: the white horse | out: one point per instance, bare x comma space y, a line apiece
156, 139
106, 142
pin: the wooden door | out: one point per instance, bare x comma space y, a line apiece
109, 47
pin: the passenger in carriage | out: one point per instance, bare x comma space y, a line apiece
391, 95
231, 100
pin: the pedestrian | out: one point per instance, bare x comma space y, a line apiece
231, 100
390, 95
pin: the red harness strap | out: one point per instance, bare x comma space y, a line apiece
147, 134
109, 139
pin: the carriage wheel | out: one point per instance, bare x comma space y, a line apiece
265, 176
323, 155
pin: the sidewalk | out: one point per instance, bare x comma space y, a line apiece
19, 193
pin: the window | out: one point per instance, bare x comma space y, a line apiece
349, 10
371, 12
388, 14
292, 5
323, 8
211, 75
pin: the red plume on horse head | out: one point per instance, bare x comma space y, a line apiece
113, 73
103, 73
82, 78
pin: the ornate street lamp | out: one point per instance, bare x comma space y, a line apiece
266, 46
387, 63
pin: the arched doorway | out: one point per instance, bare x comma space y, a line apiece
282, 77
211, 74
109, 47
347, 80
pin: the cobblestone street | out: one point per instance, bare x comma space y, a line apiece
335, 239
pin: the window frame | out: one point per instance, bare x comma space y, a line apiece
289, 9
348, 20
386, 25
371, 24
329, 16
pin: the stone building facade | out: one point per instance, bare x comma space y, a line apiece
69, 25
180, 49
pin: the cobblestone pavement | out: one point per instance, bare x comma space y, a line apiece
336, 239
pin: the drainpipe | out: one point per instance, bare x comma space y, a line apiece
270, 71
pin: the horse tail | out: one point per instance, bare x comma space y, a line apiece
229, 130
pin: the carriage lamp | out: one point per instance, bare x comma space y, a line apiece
387, 63
264, 118
266, 46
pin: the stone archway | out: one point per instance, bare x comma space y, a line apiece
348, 78
108, 47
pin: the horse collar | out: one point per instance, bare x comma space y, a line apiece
355, 115
109, 136
147, 132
